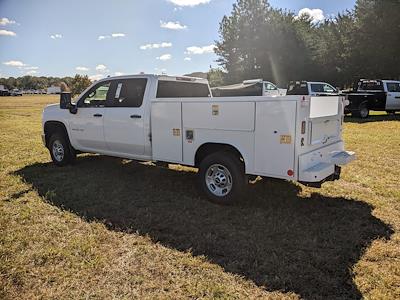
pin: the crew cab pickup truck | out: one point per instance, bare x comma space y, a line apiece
175, 120
254, 87
379, 95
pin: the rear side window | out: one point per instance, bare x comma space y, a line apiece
128, 92
297, 89
177, 89
393, 87
371, 86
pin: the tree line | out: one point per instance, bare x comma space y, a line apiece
259, 41
77, 84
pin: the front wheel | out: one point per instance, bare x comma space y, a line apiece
60, 151
222, 178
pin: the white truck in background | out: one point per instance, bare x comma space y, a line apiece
175, 120
253, 87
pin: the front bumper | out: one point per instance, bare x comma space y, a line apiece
324, 164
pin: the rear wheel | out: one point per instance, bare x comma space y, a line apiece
60, 150
362, 112
221, 178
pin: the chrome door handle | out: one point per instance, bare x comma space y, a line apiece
136, 116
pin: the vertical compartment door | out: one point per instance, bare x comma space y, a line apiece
166, 128
275, 138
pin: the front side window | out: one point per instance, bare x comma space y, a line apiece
322, 88
393, 87
270, 87
97, 96
128, 93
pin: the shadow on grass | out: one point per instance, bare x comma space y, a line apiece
373, 118
274, 237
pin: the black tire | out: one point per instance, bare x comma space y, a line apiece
362, 112
60, 150
216, 165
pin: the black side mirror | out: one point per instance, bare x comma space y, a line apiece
65, 100
73, 109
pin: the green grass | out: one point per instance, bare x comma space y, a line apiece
108, 228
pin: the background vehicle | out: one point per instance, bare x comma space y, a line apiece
15, 92
379, 95
255, 87
4, 91
175, 120
311, 88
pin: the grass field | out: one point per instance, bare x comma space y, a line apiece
108, 228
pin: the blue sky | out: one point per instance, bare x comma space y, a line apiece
99, 37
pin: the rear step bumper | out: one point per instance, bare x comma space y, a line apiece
323, 164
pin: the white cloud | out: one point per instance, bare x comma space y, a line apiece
119, 74
172, 25
32, 72
96, 77
187, 59
101, 68
31, 68
117, 35
165, 57
156, 46
200, 50
189, 2
7, 32
56, 36
14, 63
82, 69
113, 35
316, 14
6, 21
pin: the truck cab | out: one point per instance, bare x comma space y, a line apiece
253, 87
311, 88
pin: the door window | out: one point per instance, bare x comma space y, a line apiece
322, 88
270, 87
96, 96
393, 87
128, 93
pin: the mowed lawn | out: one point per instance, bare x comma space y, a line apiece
108, 228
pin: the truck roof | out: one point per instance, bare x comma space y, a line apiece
159, 77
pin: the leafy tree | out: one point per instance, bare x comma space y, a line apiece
257, 41
216, 77
78, 84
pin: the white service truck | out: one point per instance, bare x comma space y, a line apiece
175, 120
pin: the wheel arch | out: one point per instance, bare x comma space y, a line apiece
209, 148
51, 127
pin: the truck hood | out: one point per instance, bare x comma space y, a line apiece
52, 107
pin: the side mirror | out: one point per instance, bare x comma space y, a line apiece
65, 100
73, 109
